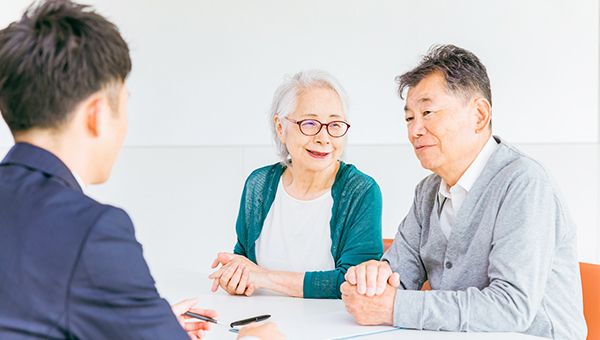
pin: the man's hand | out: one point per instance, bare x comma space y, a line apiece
268, 331
194, 329
366, 310
237, 275
371, 277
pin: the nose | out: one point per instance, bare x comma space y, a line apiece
416, 128
323, 136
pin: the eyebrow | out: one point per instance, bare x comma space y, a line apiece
422, 100
315, 115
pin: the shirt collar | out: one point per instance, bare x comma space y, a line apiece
467, 180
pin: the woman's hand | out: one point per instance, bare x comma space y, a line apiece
237, 275
194, 329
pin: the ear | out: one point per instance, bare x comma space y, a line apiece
94, 111
483, 112
279, 129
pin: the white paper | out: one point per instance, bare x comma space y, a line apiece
330, 326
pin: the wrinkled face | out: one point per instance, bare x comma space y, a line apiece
321, 151
116, 129
441, 126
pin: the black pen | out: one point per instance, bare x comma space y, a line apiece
204, 318
250, 320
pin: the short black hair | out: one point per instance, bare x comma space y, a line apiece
463, 71
56, 56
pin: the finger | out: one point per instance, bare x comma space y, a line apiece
194, 335
250, 290
351, 275
235, 279
224, 280
372, 272
241, 288
215, 262
184, 306
206, 312
215, 285
225, 257
227, 272
361, 283
344, 288
196, 326
220, 271
382, 278
394, 280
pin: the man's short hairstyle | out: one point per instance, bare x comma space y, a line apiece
56, 56
465, 74
285, 101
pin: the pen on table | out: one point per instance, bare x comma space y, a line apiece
250, 320
205, 318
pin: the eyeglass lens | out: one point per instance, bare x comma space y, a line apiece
312, 127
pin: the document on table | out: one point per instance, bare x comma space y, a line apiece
330, 326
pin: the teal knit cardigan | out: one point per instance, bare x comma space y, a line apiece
355, 223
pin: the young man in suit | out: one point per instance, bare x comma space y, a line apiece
70, 267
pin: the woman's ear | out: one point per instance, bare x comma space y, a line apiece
279, 129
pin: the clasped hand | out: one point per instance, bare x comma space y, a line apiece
369, 292
237, 274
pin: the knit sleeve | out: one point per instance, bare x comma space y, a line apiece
241, 227
357, 224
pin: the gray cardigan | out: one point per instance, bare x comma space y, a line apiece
510, 263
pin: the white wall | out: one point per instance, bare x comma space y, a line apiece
204, 73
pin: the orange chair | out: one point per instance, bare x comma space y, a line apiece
590, 284
387, 242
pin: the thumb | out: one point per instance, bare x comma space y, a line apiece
224, 258
394, 280
184, 306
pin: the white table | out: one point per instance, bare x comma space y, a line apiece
177, 284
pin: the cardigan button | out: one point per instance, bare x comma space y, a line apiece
448, 264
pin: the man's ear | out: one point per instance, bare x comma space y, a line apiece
483, 111
94, 110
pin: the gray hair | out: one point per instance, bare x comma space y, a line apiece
464, 73
285, 100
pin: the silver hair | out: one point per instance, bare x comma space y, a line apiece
285, 101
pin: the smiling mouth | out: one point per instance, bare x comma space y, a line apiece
318, 154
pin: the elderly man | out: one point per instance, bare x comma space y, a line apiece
489, 229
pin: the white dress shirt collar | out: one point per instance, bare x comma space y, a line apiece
467, 180
80, 182
450, 199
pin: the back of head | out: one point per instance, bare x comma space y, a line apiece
465, 75
56, 56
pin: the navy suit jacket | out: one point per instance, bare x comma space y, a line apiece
70, 267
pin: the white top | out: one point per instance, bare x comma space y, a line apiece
80, 182
296, 234
452, 198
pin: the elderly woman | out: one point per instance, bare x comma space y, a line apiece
304, 221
